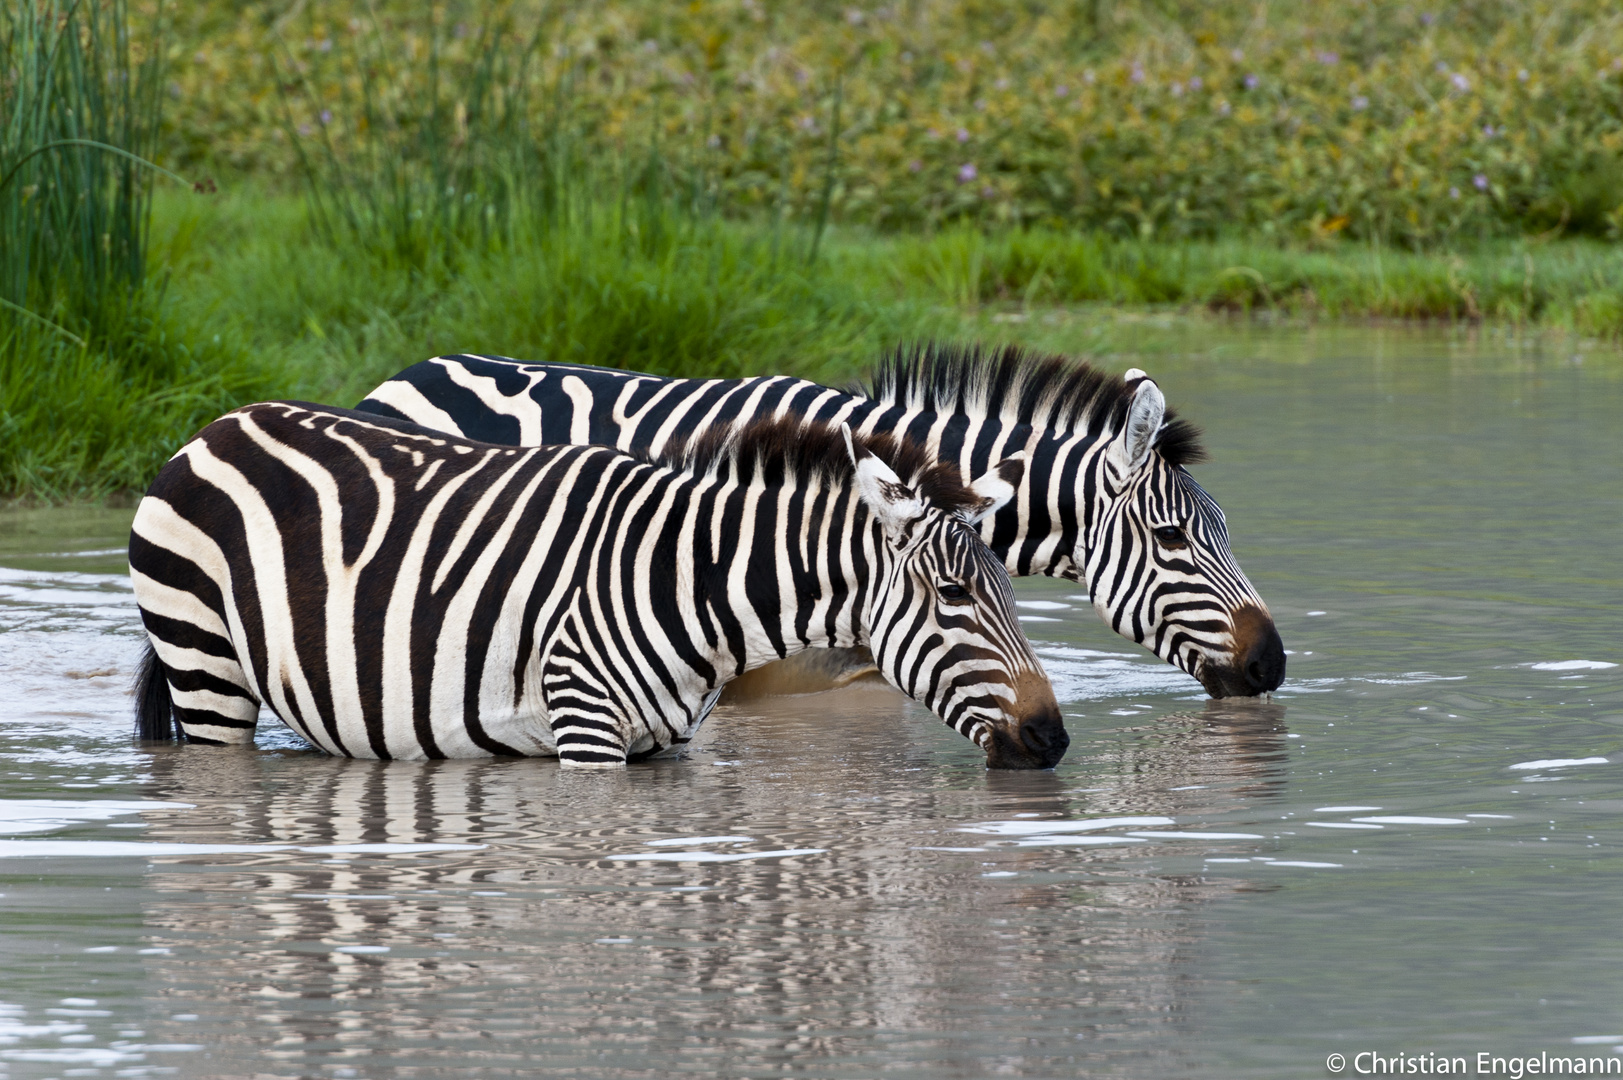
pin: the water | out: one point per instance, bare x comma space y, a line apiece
1414, 848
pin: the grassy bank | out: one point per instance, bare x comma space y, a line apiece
468, 190
256, 304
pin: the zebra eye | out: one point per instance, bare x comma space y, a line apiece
952, 591
1170, 535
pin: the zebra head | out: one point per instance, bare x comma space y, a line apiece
941, 619
1159, 567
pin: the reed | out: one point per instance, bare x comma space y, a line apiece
95, 371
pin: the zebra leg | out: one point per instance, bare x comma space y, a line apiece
587, 726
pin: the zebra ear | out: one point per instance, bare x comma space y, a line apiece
995, 487
1131, 447
896, 505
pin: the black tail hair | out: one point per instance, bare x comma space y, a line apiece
154, 713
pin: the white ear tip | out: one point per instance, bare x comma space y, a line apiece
1133, 373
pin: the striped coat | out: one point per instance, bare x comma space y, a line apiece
1106, 498
393, 592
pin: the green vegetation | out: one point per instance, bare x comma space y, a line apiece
1409, 123
553, 186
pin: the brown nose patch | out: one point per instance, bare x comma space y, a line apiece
1033, 695
1251, 627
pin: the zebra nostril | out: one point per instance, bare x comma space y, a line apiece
1265, 665
1045, 736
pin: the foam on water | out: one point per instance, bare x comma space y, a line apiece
44, 815
712, 856
1047, 828
1559, 763
1573, 665
673, 840
1169, 835
1092, 675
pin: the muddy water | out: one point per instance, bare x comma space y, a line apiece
1416, 847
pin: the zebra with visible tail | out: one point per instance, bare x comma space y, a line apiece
1106, 498
394, 592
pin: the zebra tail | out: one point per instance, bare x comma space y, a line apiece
154, 712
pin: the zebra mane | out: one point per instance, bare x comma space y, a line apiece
783, 449
1021, 387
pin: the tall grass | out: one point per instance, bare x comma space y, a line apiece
480, 223
80, 115
94, 371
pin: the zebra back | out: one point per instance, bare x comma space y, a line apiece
1106, 498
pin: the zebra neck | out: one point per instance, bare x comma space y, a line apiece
1055, 513
777, 570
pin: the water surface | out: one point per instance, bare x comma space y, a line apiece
1414, 847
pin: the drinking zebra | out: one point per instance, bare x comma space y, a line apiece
393, 592
1106, 498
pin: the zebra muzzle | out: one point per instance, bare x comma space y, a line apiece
1036, 740
1257, 665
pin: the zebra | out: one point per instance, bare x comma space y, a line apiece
393, 592
1106, 499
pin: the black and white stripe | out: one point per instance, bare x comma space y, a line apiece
395, 592
1106, 498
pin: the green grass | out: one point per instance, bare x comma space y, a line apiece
474, 218
259, 305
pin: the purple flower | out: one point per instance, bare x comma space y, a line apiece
1522, 75
1481, 181
1251, 82
1488, 132
1329, 58
326, 116
1138, 73
304, 129
1197, 83
1427, 18
966, 173
963, 135
1061, 90
1360, 103
915, 165
1453, 193
988, 192
325, 44
1461, 83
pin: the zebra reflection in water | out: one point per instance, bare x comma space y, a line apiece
870, 947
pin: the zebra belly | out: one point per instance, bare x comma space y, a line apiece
809, 672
